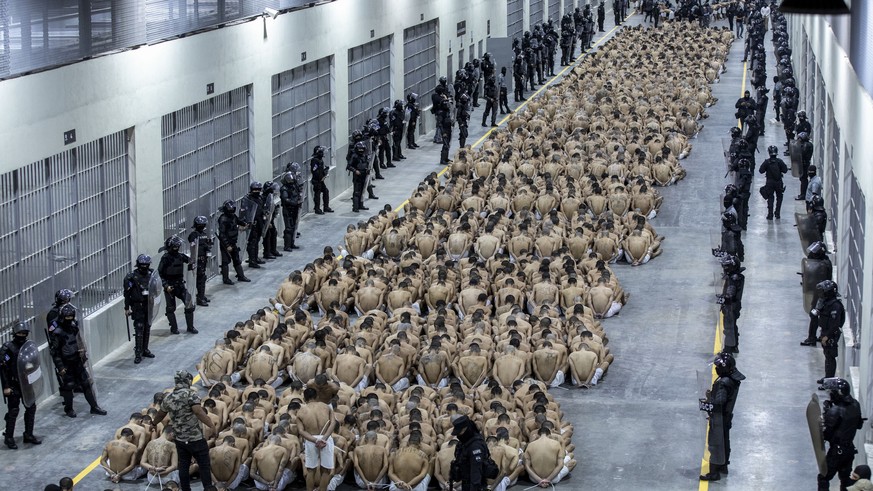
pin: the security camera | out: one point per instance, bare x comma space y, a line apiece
273, 13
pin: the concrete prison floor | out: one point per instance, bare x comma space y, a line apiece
640, 428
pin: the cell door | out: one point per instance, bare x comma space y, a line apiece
536, 12
369, 80
514, 18
555, 12
420, 55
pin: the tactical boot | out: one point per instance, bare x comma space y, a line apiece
174, 326
225, 278
10, 442
31, 438
254, 265
275, 252
98, 411
243, 279
318, 211
202, 302
137, 349
189, 321
145, 345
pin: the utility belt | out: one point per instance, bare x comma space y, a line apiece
844, 448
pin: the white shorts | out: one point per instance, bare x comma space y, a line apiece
158, 481
287, 477
335, 481
365, 381
613, 309
241, 476
559, 379
502, 485
315, 457
132, 475
444, 382
361, 484
422, 486
561, 475
401, 384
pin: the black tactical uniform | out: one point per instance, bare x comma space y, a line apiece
818, 268
318, 174
744, 186
436, 107
490, 102
291, 196
488, 68
171, 269
518, 71
773, 168
831, 316
731, 301
806, 151
413, 111
271, 233
722, 398
359, 166
841, 419
463, 118
470, 455
396, 122
601, 16
10, 382
383, 141
200, 239
228, 237
62, 297
69, 356
136, 305
257, 225
446, 131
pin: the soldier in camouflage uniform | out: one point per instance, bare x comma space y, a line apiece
183, 406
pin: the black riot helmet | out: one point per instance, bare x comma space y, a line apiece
68, 312
736, 131
62, 296
724, 364
318, 152
288, 178
360, 147
836, 387
256, 186
801, 114
411, 97
383, 113
229, 206
817, 250
730, 263
21, 330
773, 150
486, 57
143, 261
730, 190
464, 99
728, 219
398, 104
200, 222
173, 244
816, 203
803, 136
443, 81
357, 136
827, 289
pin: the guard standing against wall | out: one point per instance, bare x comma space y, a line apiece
136, 305
412, 113
398, 114
172, 272
257, 225
271, 233
202, 243
318, 174
228, 238
831, 316
841, 419
358, 166
13, 388
62, 297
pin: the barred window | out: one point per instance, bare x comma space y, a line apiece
420, 54
64, 223
514, 18
369, 80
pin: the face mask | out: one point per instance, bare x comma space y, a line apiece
19, 340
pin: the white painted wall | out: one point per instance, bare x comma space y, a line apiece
853, 112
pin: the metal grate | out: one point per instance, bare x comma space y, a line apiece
555, 12
40, 34
302, 116
569, 6
856, 215
537, 8
64, 223
206, 157
833, 170
514, 18
369, 80
420, 55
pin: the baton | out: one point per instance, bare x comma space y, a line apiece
127, 320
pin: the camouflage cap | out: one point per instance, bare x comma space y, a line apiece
183, 377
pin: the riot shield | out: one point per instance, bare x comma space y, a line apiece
704, 385
796, 158
54, 278
813, 419
247, 212
813, 272
29, 373
192, 271
726, 147
269, 211
155, 296
807, 229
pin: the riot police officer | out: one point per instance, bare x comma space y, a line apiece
383, 142
819, 215
228, 236
470, 454
731, 300
475, 82
490, 101
831, 315
721, 399
318, 172
396, 118
69, 355
413, 112
137, 299
601, 16
359, 166
436, 107
817, 268
446, 130
171, 269
13, 390
257, 225
518, 71
841, 419
773, 168
463, 118
488, 67
201, 242
291, 196
271, 233
731, 241
62, 297
744, 178
806, 151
